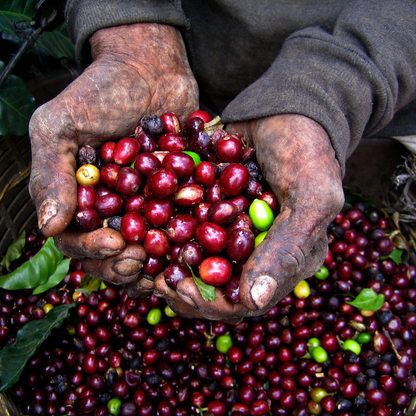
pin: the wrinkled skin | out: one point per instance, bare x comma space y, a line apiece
137, 70
142, 69
299, 163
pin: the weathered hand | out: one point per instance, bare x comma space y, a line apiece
298, 161
137, 69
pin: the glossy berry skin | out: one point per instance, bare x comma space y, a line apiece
211, 237
180, 163
128, 181
200, 143
133, 228
126, 151
135, 203
107, 152
87, 219
162, 183
174, 273
190, 255
108, 205
205, 173
171, 142
156, 243
188, 195
158, 212
203, 115
171, 123
222, 212
192, 125
215, 271
240, 244
146, 163
86, 196
234, 179
88, 175
229, 149
181, 228
376, 397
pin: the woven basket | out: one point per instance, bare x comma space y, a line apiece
17, 212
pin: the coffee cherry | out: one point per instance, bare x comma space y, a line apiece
133, 228
128, 181
87, 175
107, 152
126, 150
87, 219
180, 163
211, 237
215, 271
261, 215
156, 243
234, 179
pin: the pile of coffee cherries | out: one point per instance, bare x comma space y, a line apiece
196, 201
195, 198
311, 354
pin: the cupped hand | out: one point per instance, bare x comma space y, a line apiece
298, 161
137, 70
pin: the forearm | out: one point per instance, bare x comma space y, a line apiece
350, 81
85, 17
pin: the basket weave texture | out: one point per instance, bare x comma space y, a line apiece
17, 211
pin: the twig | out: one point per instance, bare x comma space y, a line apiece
14, 181
399, 357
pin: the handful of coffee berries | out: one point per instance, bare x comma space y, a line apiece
193, 195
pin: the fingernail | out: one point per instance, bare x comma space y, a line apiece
263, 290
127, 267
106, 252
158, 294
47, 211
187, 299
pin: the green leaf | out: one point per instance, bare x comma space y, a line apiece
59, 275
368, 300
36, 271
15, 11
207, 291
351, 198
17, 105
395, 255
58, 43
14, 251
88, 285
13, 357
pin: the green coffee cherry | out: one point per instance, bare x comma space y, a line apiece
224, 343
259, 238
353, 346
322, 273
364, 338
154, 316
313, 343
319, 354
169, 312
261, 215
317, 394
114, 406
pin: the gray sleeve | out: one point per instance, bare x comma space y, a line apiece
351, 81
84, 17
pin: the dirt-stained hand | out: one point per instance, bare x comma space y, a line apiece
137, 69
298, 161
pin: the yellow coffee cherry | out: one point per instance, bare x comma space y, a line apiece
302, 290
